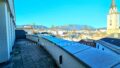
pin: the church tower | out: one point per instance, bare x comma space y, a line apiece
113, 19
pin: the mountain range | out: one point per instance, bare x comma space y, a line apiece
64, 27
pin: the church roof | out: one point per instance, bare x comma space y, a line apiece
113, 4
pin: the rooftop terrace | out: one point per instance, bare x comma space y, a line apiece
27, 54
52, 52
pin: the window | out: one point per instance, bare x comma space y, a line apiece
103, 49
110, 22
98, 46
60, 59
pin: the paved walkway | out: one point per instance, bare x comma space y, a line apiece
27, 54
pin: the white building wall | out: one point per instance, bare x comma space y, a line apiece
11, 4
12, 32
4, 39
105, 49
11, 26
7, 30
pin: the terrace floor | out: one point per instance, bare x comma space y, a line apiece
27, 54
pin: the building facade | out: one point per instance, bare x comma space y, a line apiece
109, 45
7, 29
113, 19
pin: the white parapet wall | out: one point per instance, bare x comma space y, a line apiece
69, 54
62, 58
7, 29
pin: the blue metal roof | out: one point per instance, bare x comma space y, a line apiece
113, 41
98, 59
76, 48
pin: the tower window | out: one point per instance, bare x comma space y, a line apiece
110, 24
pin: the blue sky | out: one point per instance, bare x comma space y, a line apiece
63, 12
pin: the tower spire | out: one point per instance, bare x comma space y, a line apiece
113, 4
